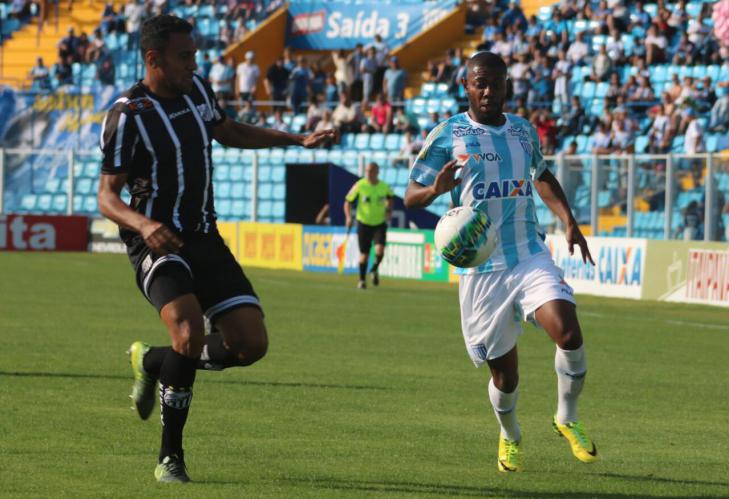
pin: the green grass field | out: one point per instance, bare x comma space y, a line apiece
363, 394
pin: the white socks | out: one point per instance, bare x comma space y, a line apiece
505, 409
571, 368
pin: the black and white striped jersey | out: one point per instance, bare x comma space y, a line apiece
164, 146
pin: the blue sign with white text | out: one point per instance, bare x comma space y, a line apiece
326, 25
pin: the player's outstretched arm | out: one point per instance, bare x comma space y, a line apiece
230, 133
419, 196
157, 236
553, 196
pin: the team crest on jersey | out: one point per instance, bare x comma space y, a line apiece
140, 105
465, 130
512, 188
518, 132
205, 112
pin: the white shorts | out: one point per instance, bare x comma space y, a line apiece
493, 304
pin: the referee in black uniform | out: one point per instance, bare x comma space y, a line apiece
157, 140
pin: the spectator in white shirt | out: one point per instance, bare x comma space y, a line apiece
560, 75
655, 47
222, 77
501, 46
578, 51
247, 75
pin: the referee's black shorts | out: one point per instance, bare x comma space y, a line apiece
366, 234
203, 266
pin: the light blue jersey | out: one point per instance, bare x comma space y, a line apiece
499, 164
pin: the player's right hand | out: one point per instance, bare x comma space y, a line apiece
159, 238
446, 179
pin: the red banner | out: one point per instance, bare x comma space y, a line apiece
43, 233
708, 276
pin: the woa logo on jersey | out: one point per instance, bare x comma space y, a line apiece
512, 188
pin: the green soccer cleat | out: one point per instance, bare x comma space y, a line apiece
582, 447
510, 458
172, 469
143, 389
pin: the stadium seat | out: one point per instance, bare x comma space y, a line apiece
238, 209
361, 141
427, 90
28, 202
279, 211
278, 174
377, 141
279, 192
265, 209
221, 172
264, 173
237, 190
222, 189
236, 173
265, 191
90, 205
641, 142
59, 203
305, 156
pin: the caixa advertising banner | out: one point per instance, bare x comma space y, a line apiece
43, 233
619, 269
328, 25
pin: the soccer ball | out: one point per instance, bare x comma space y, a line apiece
465, 237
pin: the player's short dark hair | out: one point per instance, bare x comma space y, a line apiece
486, 59
156, 31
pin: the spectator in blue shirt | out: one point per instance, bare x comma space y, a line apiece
395, 80
514, 15
205, 66
299, 84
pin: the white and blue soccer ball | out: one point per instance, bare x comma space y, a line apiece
465, 237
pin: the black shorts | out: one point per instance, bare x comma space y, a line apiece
368, 233
203, 266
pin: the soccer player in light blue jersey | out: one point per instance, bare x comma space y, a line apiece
500, 165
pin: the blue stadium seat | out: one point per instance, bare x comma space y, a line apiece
279, 192
427, 89
588, 90
237, 190
377, 141
222, 189
392, 142
279, 210
641, 142
305, 156
291, 156
90, 205
265, 209
265, 173
712, 142
389, 176
238, 209
53, 185
236, 173
361, 141
348, 140
265, 191
28, 202
222, 207
59, 203
221, 172
83, 186
278, 174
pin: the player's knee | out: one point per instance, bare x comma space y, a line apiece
249, 346
570, 337
188, 336
506, 383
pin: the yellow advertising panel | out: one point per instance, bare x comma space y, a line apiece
229, 233
271, 246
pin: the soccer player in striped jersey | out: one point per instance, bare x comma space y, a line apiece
157, 141
500, 165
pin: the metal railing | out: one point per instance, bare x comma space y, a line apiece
619, 189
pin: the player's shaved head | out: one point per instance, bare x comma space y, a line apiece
486, 60
486, 84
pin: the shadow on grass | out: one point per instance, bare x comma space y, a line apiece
206, 380
441, 489
651, 478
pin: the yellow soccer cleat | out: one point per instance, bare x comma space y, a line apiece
582, 447
509, 455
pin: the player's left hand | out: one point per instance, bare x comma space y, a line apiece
573, 234
321, 137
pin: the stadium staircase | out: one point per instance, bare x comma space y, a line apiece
26, 44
